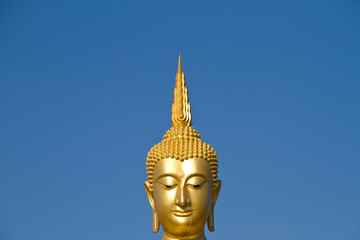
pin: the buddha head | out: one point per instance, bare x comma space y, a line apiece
182, 185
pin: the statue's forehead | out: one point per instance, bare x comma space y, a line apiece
182, 168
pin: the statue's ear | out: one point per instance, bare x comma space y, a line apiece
216, 191
149, 194
215, 194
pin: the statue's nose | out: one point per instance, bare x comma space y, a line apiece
182, 197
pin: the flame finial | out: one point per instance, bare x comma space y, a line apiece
181, 112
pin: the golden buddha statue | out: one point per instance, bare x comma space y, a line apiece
182, 184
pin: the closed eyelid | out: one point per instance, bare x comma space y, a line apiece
197, 180
167, 180
203, 176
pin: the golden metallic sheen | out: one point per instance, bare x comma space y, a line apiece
181, 115
182, 170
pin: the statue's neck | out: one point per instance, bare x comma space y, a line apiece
166, 237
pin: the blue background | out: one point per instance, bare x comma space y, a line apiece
86, 90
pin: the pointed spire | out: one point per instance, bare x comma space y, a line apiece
180, 64
181, 113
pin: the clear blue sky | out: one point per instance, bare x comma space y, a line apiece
86, 90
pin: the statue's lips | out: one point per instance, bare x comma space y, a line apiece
182, 213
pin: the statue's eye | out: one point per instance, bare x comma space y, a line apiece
168, 182
168, 187
196, 182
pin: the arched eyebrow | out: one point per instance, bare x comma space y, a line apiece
197, 175
167, 175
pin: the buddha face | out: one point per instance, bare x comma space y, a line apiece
183, 196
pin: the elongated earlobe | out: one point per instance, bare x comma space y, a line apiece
149, 193
156, 222
215, 194
210, 221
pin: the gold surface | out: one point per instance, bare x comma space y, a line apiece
181, 115
182, 184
